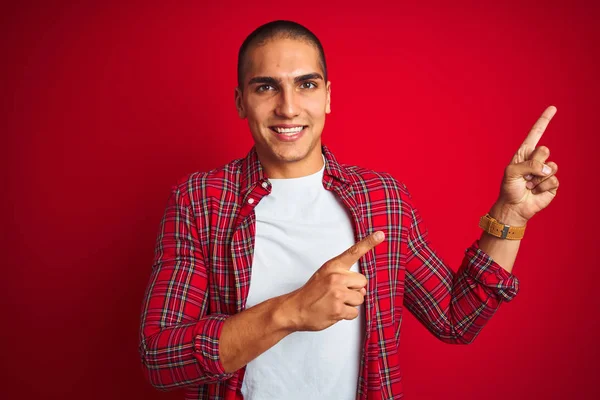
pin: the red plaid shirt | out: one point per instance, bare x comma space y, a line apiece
201, 276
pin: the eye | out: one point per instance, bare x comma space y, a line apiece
308, 85
264, 88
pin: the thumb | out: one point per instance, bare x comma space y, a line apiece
529, 167
354, 253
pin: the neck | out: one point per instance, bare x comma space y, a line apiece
279, 169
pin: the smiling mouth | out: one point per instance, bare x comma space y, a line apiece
287, 131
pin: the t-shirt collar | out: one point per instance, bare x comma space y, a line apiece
252, 172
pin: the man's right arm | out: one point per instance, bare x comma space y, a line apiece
180, 345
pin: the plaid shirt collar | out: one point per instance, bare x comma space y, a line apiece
252, 172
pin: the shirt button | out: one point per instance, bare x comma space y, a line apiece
264, 185
250, 200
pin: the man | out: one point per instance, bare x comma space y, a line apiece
284, 275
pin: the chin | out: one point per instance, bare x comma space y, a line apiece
291, 156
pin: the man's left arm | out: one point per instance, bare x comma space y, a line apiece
455, 307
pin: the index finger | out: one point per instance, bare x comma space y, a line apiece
535, 134
354, 253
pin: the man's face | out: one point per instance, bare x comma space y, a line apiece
285, 100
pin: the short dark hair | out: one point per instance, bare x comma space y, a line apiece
278, 29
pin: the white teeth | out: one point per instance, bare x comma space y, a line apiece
288, 131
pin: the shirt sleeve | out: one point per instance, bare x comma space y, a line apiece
453, 306
179, 342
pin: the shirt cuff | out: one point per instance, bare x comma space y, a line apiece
495, 280
207, 333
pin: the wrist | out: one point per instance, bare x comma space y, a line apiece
506, 215
285, 314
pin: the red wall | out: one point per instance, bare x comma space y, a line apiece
105, 106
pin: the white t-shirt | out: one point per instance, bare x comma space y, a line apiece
299, 226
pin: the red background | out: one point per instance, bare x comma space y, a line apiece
105, 106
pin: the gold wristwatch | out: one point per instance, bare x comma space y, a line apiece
498, 229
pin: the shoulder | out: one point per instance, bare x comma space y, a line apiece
212, 183
382, 192
371, 180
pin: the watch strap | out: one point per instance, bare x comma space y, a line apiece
498, 229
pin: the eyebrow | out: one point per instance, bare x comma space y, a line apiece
272, 81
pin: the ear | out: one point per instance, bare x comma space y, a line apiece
239, 103
328, 100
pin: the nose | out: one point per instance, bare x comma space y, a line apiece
287, 106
